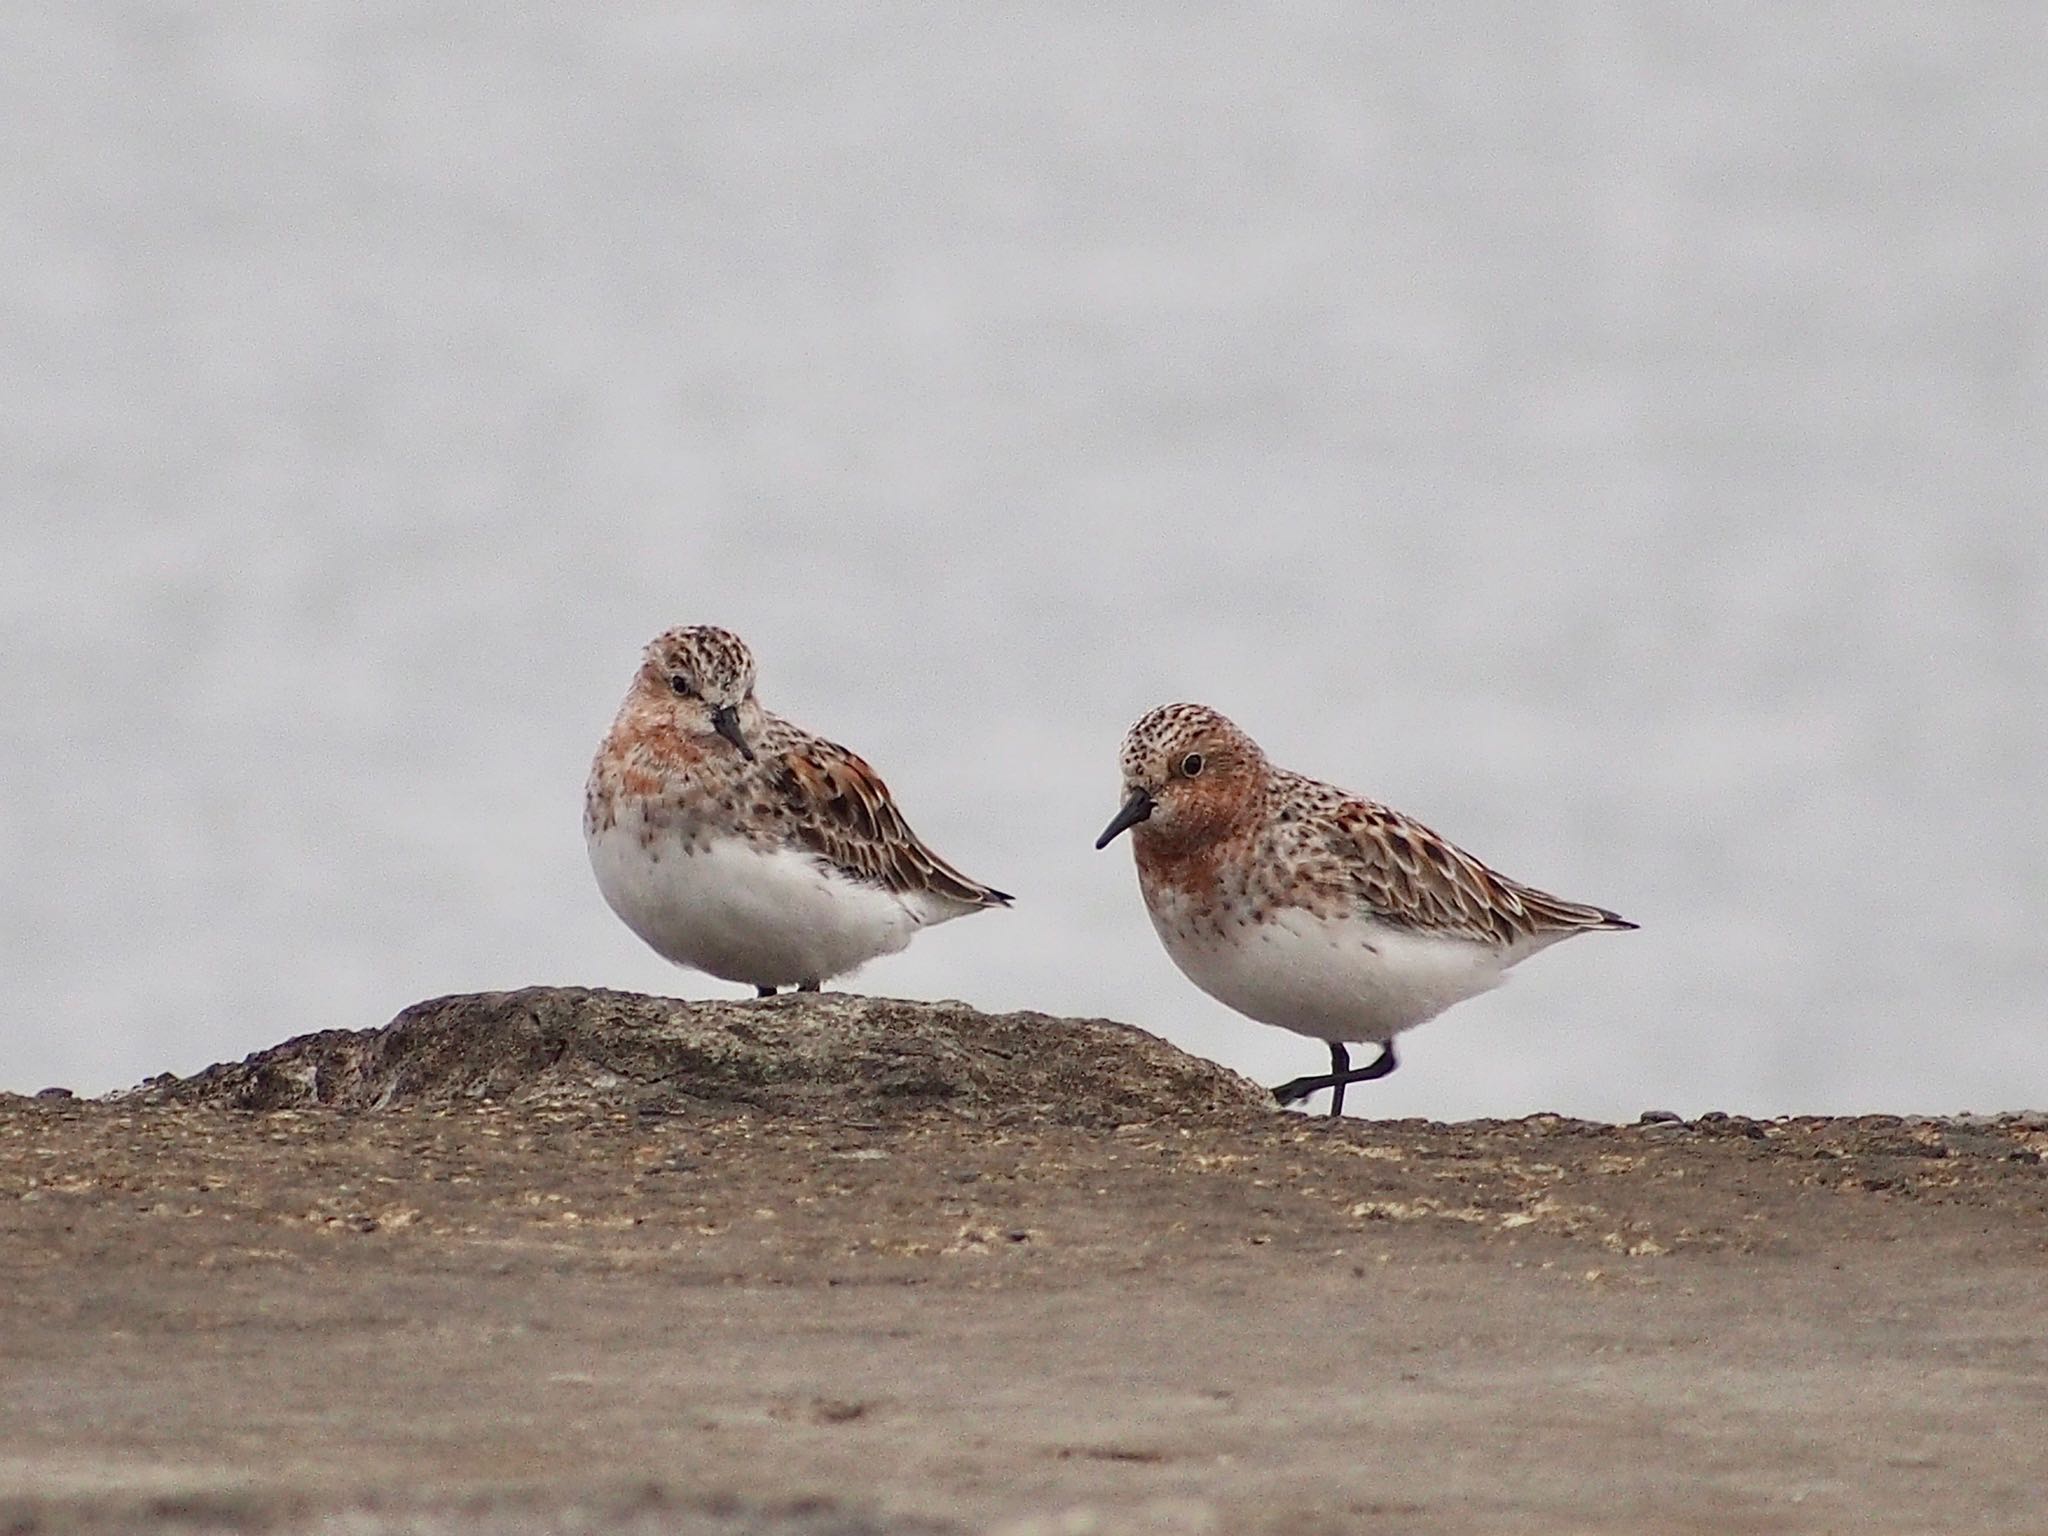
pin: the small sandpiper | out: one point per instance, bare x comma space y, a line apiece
740, 845
1303, 906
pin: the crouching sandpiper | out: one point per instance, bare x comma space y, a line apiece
740, 845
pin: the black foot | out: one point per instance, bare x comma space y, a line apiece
807, 986
1294, 1090
1340, 1076
764, 991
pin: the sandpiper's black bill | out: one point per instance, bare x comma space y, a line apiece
1135, 810
726, 721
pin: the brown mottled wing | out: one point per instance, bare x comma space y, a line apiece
1406, 874
843, 812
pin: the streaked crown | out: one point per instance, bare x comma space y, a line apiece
703, 661
1156, 749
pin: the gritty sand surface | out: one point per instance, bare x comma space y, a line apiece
780, 1286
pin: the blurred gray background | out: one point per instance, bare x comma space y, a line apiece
1613, 435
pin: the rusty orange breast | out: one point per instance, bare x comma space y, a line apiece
1186, 869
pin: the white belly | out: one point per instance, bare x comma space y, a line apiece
769, 919
1347, 979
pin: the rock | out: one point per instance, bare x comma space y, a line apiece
825, 1054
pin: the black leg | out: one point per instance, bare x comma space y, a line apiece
1340, 1068
1341, 1074
807, 986
764, 991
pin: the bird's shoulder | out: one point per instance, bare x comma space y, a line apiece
838, 807
1390, 866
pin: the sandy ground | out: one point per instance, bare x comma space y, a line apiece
691, 1315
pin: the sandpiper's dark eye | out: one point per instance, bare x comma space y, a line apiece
1191, 765
679, 685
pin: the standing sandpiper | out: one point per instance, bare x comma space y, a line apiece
1300, 905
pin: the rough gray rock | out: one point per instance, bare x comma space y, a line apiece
817, 1054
